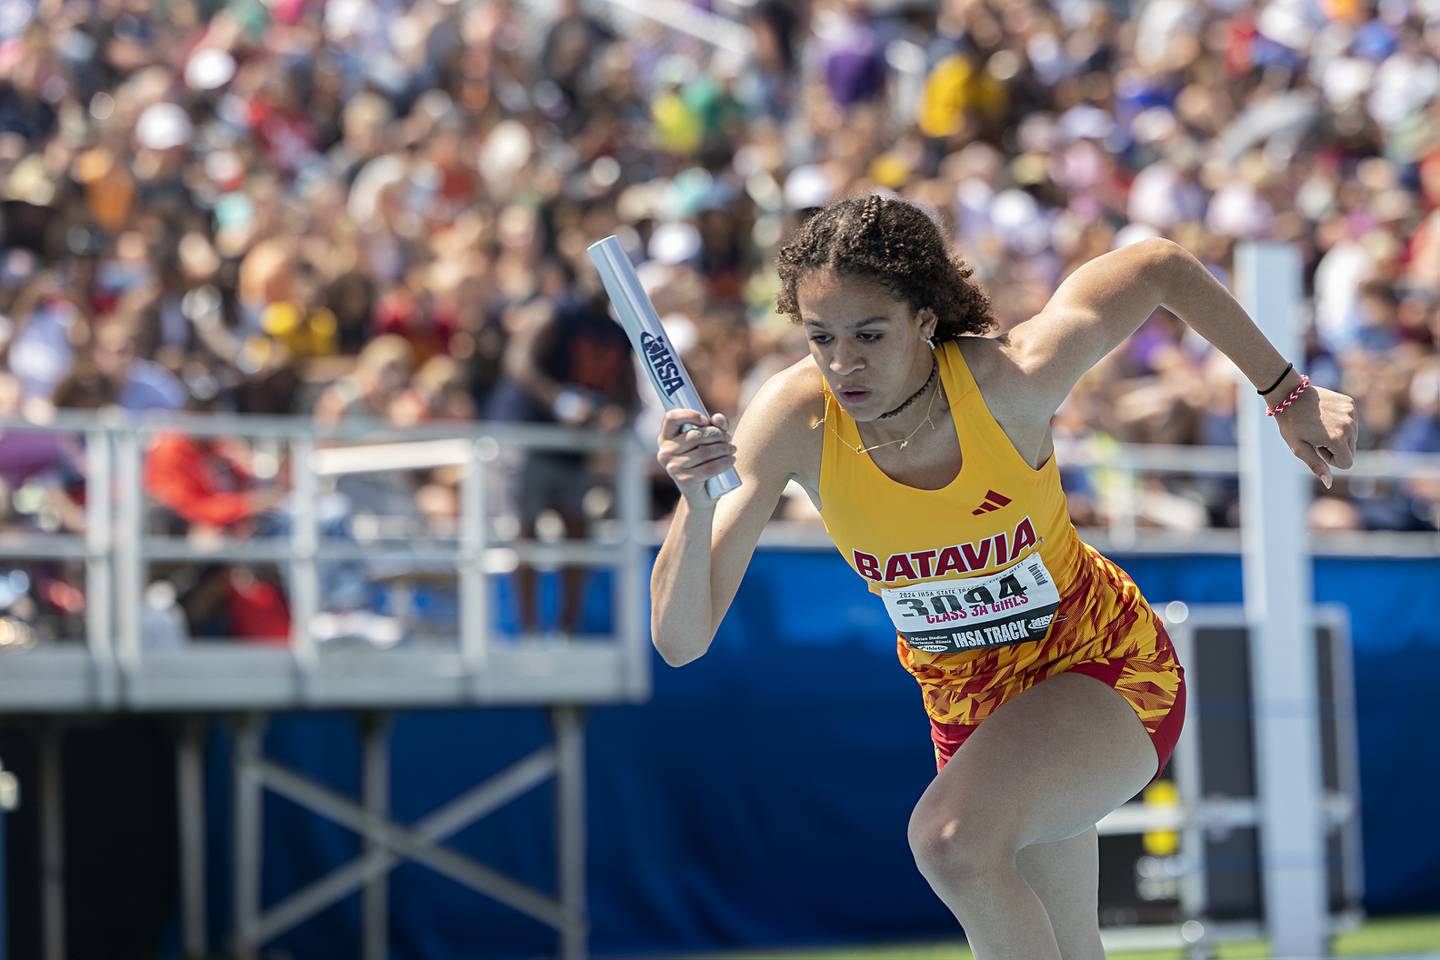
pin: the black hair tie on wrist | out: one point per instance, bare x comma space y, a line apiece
1285, 373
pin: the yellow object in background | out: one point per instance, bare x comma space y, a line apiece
953, 87
890, 170
1161, 843
677, 130
316, 334
942, 105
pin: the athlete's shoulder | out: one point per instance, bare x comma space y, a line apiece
990, 359
790, 401
799, 386
997, 366
782, 415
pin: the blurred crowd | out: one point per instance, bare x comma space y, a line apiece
379, 209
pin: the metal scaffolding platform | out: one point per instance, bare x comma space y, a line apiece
116, 670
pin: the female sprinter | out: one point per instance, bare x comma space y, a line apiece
1053, 692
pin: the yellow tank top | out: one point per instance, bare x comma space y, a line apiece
986, 578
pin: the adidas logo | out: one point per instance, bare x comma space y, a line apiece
992, 501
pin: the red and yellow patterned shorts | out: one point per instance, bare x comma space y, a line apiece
1152, 682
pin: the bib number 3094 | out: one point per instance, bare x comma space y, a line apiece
968, 613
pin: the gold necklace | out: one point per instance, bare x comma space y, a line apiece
903, 441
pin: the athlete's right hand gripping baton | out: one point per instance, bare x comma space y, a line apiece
637, 315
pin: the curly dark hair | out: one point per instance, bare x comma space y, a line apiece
893, 243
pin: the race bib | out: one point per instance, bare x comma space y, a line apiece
968, 613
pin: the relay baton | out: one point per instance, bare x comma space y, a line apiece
638, 317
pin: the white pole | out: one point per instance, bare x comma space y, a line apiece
1274, 496
99, 549
632, 628
474, 557
304, 579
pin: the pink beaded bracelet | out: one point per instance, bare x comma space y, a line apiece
1304, 383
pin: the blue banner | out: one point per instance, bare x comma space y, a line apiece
761, 798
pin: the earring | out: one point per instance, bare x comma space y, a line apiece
931, 341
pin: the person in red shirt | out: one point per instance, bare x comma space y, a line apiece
204, 486
207, 486
200, 482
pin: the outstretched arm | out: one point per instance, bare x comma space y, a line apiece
1105, 301
709, 544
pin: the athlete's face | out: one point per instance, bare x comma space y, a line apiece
871, 346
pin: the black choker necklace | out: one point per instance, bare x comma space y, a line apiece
934, 370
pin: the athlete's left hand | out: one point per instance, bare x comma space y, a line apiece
1320, 428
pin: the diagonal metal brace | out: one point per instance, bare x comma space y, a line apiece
417, 844
470, 806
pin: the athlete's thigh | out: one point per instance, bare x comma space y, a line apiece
1065, 875
1043, 767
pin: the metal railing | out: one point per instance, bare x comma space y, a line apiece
1129, 463
118, 552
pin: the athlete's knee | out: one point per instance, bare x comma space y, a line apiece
1079, 940
950, 848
